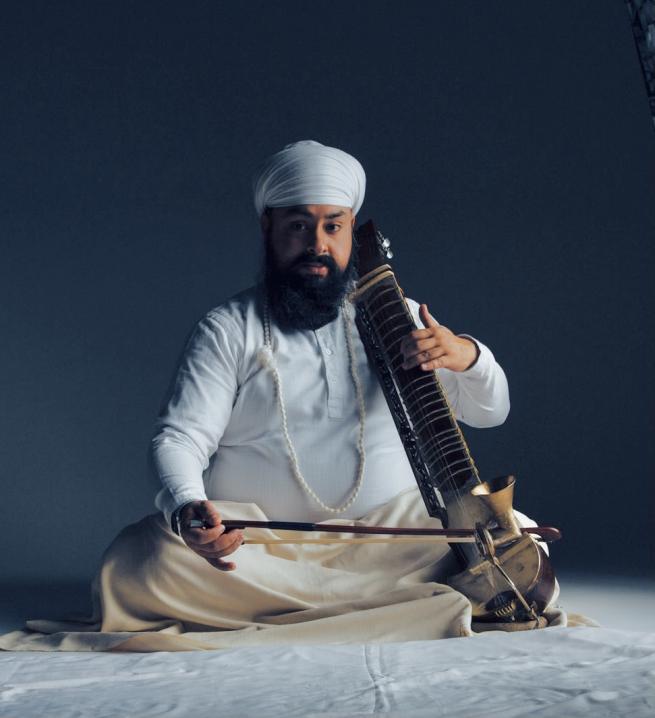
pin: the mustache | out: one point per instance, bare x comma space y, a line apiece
323, 259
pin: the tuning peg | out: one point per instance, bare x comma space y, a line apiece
384, 243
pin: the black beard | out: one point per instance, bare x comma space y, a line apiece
306, 301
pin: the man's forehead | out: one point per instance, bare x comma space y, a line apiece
315, 211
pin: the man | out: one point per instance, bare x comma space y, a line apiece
222, 435
276, 414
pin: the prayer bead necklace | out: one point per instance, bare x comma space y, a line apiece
267, 359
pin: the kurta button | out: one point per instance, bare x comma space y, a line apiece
328, 351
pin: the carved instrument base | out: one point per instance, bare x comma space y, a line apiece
492, 598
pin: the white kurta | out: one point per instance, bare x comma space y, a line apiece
220, 434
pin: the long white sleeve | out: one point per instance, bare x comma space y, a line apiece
479, 396
188, 431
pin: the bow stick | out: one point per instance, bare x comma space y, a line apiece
546, 533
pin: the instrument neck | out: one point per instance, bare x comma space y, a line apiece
384, 316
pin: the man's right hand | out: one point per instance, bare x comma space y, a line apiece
213, 542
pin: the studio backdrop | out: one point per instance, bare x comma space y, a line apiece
510, 157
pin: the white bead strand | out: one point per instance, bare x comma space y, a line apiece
267, 360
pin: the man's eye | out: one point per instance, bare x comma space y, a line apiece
297, 226
333, 227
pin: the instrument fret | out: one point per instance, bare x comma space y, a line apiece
428, 417
427, 408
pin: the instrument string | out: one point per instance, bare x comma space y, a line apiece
393, 353
414, 393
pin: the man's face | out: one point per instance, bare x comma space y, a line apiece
308, 264
300, 236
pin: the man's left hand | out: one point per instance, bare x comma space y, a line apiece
436, 347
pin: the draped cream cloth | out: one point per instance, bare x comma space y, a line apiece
152, 593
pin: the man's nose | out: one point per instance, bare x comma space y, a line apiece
317, 242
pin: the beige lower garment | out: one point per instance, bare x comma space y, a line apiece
152, 593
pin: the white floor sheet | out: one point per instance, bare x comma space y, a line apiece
555, 672
563, 672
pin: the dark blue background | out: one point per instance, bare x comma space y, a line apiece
510, 157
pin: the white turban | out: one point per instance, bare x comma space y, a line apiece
308, 172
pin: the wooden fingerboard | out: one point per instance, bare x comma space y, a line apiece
427, 426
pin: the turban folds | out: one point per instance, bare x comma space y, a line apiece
308, 172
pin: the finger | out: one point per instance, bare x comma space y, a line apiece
202, 537
416, 357
413, 348
411, 342
424, 357
213, 556
228, 547
216, 549
223, 546
212, 527
439, 333
417, 334
427, 318
433, 364
221, 565
208, 513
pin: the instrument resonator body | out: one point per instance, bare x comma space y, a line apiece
505, 573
